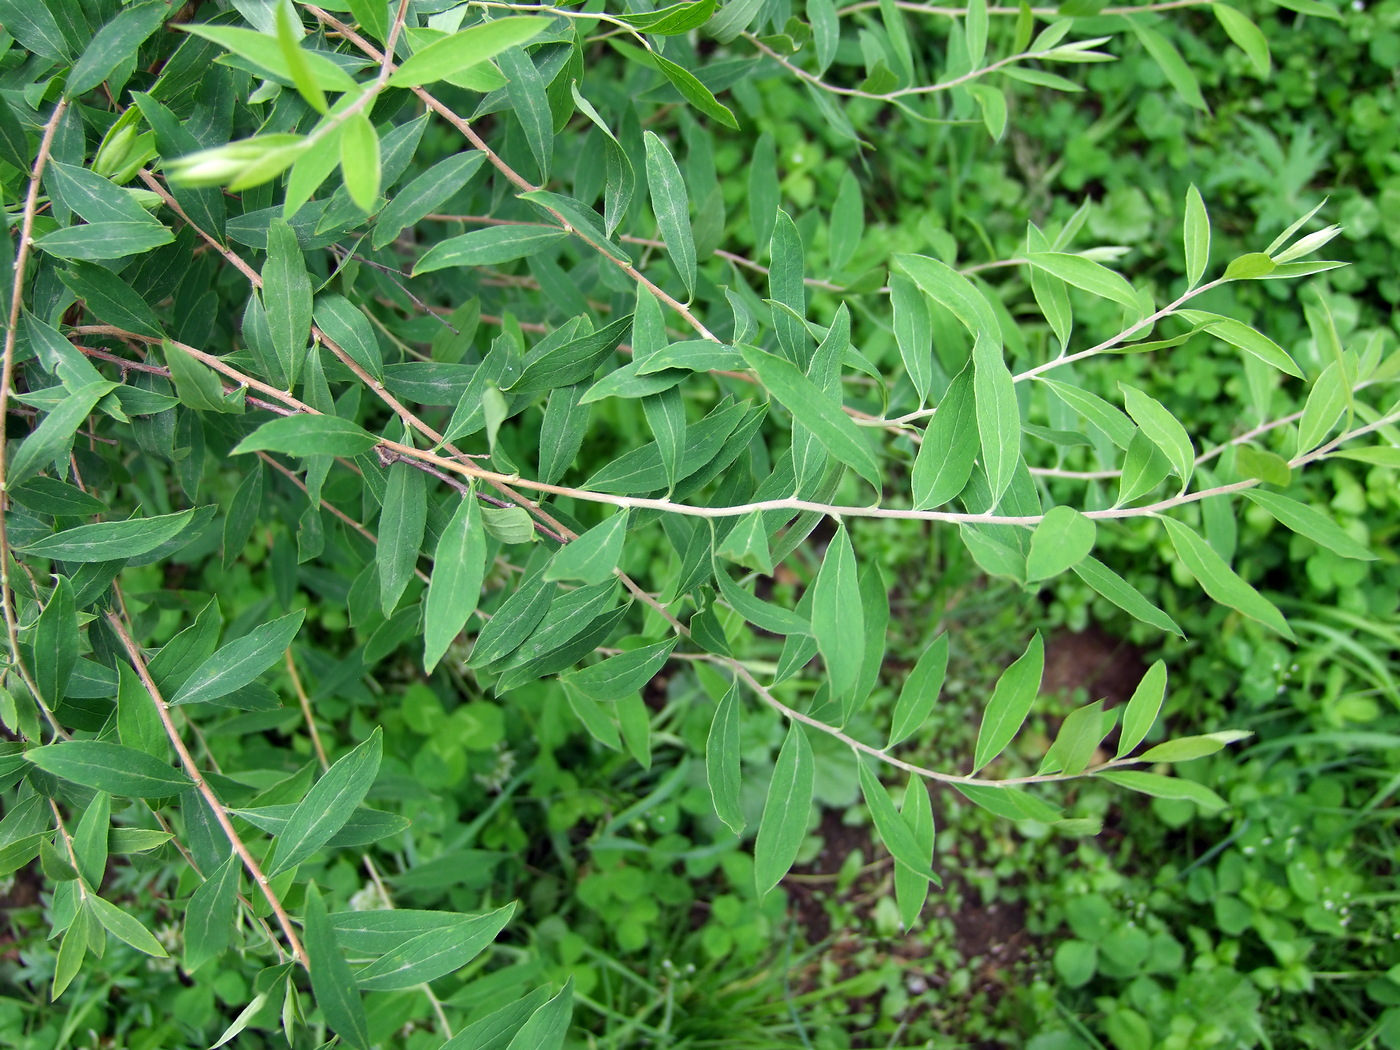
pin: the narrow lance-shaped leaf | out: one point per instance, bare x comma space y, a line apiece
125, 927
1085, 273
331, 980
1141, 712
211, 913
328, 805
287, 297
459, 566
998, 415
435, 952
835, 430
110, 540
784, 822
1196, 237
359, 161
592, 557
114, 768
670, 203
837, 618
911, 887
241, 661
467, 48
898, 837
1011, 701
1122, 594
402, 521
920, 691
1220, 581
722, 765
1163, 429
1310, 522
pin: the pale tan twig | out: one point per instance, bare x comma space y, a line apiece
138, 661
305, 702
7, 376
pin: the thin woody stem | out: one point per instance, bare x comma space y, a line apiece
7, 375
255, 871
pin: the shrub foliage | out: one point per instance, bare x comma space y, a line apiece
358, 347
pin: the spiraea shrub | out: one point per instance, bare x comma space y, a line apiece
379, 372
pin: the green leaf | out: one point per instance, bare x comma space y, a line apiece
52, 438
1163, 429
109, 767
109, 540
1186, 748
1250, 267
592, 557
620, 676
309, 435
104, 240
286, 296
1220, 581
466, 48
1063, 538
907, 851
495, 1030
847, 222
73, 948
211, 914
1165, 787
331, 980
34, 27
600, 723
196, 383
1241, 335
489, 247
747, 545
459, 566
372, 16
56, 643
1124, 595
1247, 37
347, 326
402, 521
786, 286
697, 355
526, 90
241, 661
783, 825
138, 722
998, 415
1310, 522
1173, 66
549, 367
115, 44
975, 26
694, 92
835, 430
435, 952
512, 623
1326, 403
94, 198
1268, 467
911, 887
90, 839
265, 50
328, 805
951, 290
1142, 709
837, 619
1011, 701
920, 691
671, 205
1085, 273
913, 332
1195, 235
428, 192
289, 42
1080, 735
359, 161
547, 1026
